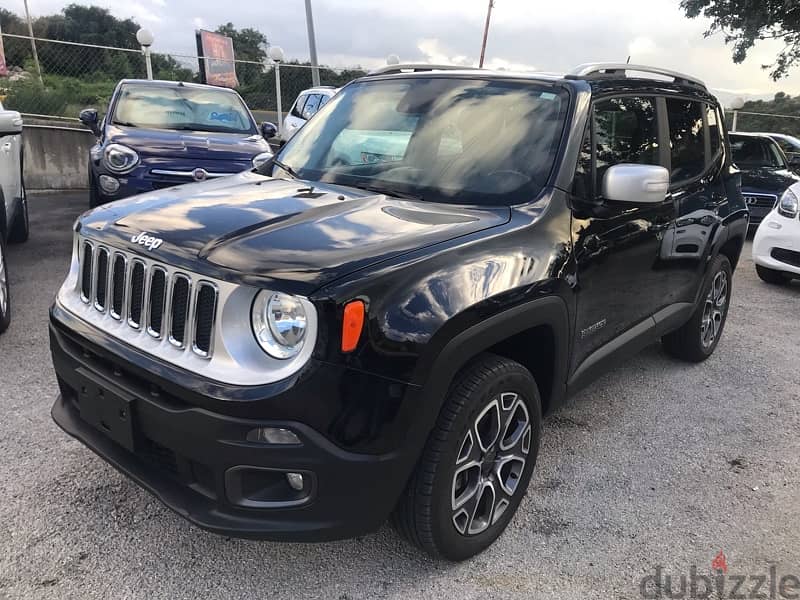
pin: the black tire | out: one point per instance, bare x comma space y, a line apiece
5, 297
771, 276
426, 515
697, 339
19, 230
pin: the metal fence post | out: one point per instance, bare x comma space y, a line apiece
278, 92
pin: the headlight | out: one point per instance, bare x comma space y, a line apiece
260, 159
789, 204
119, 158
279, 323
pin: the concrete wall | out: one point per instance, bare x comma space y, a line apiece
56, 158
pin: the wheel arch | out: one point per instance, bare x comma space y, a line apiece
536, 334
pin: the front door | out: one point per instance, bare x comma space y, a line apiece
618, 246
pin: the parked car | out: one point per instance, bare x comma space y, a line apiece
776, 246
765, 172
306, 105
790, 146
300, 351
14, 226
159, 134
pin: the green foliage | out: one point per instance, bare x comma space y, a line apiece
64, 96
744, 22
782, 104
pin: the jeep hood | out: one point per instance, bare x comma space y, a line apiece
259, 230
768, 181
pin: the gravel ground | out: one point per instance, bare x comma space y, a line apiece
658, 463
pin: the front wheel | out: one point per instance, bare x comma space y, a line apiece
697, 339
477, 462
5, 296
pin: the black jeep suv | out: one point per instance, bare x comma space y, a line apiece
373, 322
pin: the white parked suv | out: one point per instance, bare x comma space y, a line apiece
13, 203
776, 246
306, 106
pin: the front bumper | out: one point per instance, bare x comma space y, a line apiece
201, 465
776, 244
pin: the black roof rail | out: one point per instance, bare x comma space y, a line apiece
607, 70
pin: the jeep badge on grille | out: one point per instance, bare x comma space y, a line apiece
148, 241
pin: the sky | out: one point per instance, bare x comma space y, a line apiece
545, 35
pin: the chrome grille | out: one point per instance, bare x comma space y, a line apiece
169, 305
760, 200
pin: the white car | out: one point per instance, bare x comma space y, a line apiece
306, 106
776, 246
13, 203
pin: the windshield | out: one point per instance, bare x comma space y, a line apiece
753, 152
182, 108
439, 139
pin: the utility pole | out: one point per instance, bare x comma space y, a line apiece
33, 43
486, 32
312, 45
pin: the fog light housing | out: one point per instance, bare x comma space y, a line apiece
295, 481
108, 184
774, 225
273, 435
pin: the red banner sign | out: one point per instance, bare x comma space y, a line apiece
3, 66
216, 59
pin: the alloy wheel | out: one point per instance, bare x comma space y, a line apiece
490, 463
714, 309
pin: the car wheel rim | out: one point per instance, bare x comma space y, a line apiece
714, 309
490, 462
3, 284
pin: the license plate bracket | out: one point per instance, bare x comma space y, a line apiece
108, 410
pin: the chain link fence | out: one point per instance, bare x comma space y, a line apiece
74, 76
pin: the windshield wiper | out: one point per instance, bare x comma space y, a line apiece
286, 168
388, 192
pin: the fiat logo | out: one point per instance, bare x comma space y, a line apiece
200, 174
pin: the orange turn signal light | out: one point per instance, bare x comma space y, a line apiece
352, 324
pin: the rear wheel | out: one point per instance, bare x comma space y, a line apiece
477, 462
5, 297
697, 339
771, 276
20, 227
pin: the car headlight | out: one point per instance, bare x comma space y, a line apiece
260, 159
789, 205
279, 323
119, 159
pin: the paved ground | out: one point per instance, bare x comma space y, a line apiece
659, 463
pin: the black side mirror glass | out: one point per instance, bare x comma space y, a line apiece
268, 130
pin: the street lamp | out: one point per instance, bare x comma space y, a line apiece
276, 55
145, 39
736, 104
393, 59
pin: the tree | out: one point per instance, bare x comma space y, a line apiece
744, 22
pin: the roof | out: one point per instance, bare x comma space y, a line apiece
167, 83
752, 134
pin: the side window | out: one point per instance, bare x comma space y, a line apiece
297, 109
625, 131
687, 139
714, 130
323, 100
311, 107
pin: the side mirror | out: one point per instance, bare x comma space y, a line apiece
268, 130
638, 184
10, 122
90, 118
794, 161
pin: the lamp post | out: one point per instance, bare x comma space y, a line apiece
145, 39
736, 104
486, 33
393, 59
312, 45
276, 54
33, 44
